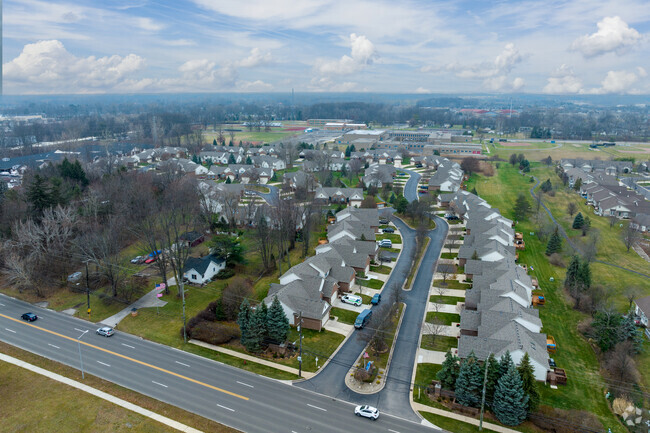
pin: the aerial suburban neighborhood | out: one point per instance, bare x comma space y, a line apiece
324, 217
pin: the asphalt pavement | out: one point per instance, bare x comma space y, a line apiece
228, 395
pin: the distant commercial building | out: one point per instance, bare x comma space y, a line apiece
319, 123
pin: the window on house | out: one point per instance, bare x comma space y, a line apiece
194, 276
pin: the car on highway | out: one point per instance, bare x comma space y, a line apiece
351, 299
376, 299
389, 230
30, 317
106, 331
367, 411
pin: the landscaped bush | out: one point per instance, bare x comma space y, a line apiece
214, 332
224, 274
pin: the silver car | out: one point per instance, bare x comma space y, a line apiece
367, 411
106, 331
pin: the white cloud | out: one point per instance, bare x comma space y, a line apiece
563, 80
613, 35
619, 82
47, 67
502, 64
148, 24
256, 58
254, 86
361, 55
422, 90
179, 43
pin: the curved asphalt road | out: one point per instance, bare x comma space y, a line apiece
394, 398
272, 198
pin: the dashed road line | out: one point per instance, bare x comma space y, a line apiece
158, 383
103, 363
227, 408
316, 407
181, 363
56, 347
10, 330
245, 384
131, 347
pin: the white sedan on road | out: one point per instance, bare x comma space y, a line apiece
367, 411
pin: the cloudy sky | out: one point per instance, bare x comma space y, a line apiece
500, 46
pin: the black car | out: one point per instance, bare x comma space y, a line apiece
389, 230
383, 221
30, 317
451, 217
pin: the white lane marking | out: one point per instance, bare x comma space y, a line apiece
316, 407
80, 330
159, 384
227, 408
245, 384
182, 363
128, 346
56, 347
10, 330
394, 431
2, 305
103, 363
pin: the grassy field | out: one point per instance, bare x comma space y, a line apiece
383, 269
394, 238
585, 388
425, 373
345, 316
536, 151
448, 255
371, 283
438, 343
41, 404
449, 424
250, 136
451, 284
444, 318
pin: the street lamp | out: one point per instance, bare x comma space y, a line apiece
79, 346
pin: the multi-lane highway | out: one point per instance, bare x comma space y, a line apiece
228, 395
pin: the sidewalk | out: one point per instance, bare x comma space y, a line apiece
463, 418
101, 394
305, 374
148, 300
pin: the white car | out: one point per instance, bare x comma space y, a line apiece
106, 331
351, 299
367, 411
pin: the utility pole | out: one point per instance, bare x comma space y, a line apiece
87, 289
480, 423
80, 360
183, 298
300, 342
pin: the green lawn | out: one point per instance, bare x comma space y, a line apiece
450, 424
383, 269
585, 388
345, 316
394, 237
451, 284
444, 318
448, 255
451, 300
392, 250
371, 283
425, 373
438, 343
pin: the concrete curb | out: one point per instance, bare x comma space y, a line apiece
101, 394
417, 270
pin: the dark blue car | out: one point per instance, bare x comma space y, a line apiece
376, 299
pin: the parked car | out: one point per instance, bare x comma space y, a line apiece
389, 230
386, 243
106, 331
367, 411
383, 221
363, 318
137, 260
73, 278
351, 299
150, 260
551, 363
30, 317
376, 299
451, 217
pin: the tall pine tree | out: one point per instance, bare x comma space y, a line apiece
277, 322
505, 363
572, 271
510, 400
258, 335
527, 374
244, 321
469, 383
554, 244
493, 376
448, 374
578, 221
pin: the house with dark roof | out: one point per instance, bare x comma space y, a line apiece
192, 239
642, 310
201, 270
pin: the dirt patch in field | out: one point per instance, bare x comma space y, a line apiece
635, 151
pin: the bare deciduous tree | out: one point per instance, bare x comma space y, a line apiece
630, 236
571, 208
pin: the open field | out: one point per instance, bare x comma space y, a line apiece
537, 150
41, 404
257, 137
585, 388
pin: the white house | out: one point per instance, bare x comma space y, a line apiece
202, 270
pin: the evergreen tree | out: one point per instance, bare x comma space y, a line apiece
475, 255
195, 159
469, 383
577, 184
257, 333
527, 374
38, 195
448, 374
348, 152
546, 186
586, 226
277, 322
522, 207
352, 148
474, 191
554, 244
578, 221
214, 142
244, 321
572, 271
231, 159
584, 275
510, 400
401, 204
248, 160
505, 363
228, 180
231, 144
492, 377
